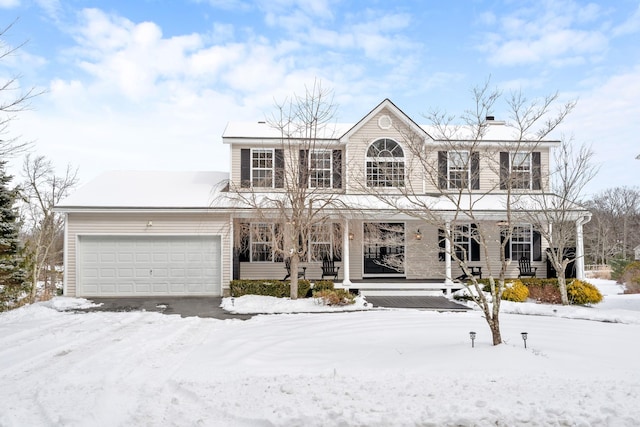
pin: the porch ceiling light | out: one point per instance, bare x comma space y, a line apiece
418, 235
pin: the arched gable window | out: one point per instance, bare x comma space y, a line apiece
385, 164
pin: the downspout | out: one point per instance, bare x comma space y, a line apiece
580, 246
65, 254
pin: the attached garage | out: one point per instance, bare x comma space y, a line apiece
148, 265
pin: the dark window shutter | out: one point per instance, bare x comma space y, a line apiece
245, 168
537, 246
475, 170
442, 170
504, 170
337, 168
442, 245
244, 250
507, 246
475, 245
537, 172
303, 169
278, 170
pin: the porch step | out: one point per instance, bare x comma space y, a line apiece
401, 292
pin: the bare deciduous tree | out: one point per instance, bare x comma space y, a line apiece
13, 99
41, 191
292, 205
459, 206
615, 228
553, 213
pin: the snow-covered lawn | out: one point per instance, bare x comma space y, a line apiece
368, 368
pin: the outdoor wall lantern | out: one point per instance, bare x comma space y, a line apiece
351, 236
418, 235
524, 338
149, 223
472, 335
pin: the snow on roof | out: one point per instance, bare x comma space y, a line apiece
147, 189
259, 130
496, 131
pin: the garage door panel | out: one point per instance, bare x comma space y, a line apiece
149, 265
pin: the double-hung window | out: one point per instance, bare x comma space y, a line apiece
459, 169
320, 169
385, 164
521, 170
262, 239
262, 161
321, 242
521, 242
464, 243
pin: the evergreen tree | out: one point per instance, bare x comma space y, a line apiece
13, 283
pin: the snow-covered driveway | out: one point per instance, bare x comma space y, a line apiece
374, 368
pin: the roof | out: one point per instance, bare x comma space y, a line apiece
263, 130
147, 189
494, 131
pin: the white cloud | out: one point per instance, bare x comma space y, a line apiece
551, 32
9, 4
606, 117
630, 26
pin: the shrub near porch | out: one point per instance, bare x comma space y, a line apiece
272, 288
547, 291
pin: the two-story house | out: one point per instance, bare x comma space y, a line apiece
389, 190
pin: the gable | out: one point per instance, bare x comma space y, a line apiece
398, 121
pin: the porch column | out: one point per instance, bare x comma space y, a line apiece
580, 247
345, 254
447, 258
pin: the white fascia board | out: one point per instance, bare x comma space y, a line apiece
80, 209
273, 142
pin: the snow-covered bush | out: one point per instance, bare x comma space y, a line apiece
581, 293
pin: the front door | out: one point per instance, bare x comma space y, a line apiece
383, 248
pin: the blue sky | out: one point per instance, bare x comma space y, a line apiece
150, 84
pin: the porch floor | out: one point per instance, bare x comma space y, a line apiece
420, 302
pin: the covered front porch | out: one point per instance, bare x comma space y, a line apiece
403, 256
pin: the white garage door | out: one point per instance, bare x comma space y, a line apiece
149, 265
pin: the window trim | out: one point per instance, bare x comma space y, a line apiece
394, 163
469, 243
529, 228
311, 242
252, 227
529, 170
467, 169
313, 170
272, 169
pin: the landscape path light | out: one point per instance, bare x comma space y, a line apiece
472, 335
524, 338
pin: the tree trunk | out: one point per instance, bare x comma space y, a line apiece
494, 325
295, 261
562, 285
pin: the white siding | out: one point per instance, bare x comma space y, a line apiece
179, 223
